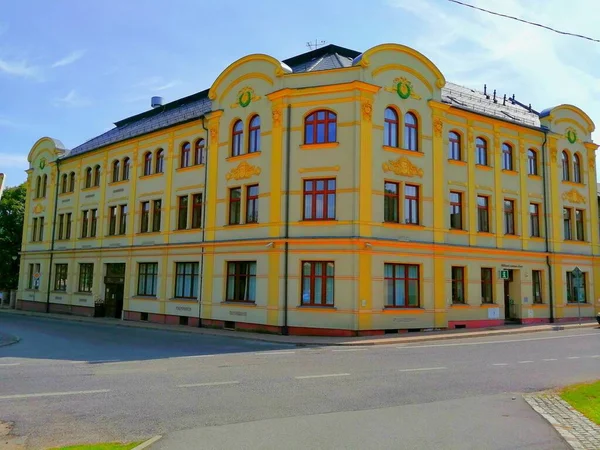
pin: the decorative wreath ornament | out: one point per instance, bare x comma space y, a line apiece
571, 135
42, 163
245, 98
403, 89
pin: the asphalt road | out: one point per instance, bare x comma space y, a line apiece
69, 382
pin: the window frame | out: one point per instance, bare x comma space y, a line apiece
159, 164
411, 132
454, 146
577, 175
112, 220
507, 157
483, 212
145, 275
88, 177
510, 224
252, 202
84, 223
238, 277
312, 277
97, 175
147, 163
185, 150
412, 207
391, 200
181, 277
391, 128
116, 171
571, 293
156, 215
453, 206
126, 169
235, 206
199, 151
182, 211
532, 162
568, 224
566, 166
456, 283
481, 151
61, 274
196, 221
328, 121
487, 283
254, 134
537, 279
237, 138
579, 225
86, 277
534, 220
93, 222
144, 216
72, 182
314, 194
406, 280
64, 179
68, 223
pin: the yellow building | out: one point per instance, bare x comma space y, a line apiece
335, 192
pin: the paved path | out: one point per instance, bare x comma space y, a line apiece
66, 382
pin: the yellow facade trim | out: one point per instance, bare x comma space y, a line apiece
319, 169
321, 146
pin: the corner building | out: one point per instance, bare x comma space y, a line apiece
334, 193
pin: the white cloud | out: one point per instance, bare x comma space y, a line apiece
72, 100
8, 123
157, 83
19, 68
13, 161
70, 58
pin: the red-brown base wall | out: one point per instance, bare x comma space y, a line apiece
56, 308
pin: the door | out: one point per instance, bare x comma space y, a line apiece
506, 299
113, 300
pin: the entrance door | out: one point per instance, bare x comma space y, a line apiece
507, 303
113, 300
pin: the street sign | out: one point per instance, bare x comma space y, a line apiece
504, 274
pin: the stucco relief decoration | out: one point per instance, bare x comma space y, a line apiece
553, 153
276, 117
402, 166
242, 171
42, 163
573, 196
571, 135
592, 162
438, 127
213, 133
245, 96
367, 110
404, 88
38, 208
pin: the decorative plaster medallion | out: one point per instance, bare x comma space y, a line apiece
402, 166
571, 135
404, 88
245, 96
438, 127
213, 133
276, 117
242, 171
42, 163
38, 208
367, 110
573, 196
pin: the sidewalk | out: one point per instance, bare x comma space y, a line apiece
387, 339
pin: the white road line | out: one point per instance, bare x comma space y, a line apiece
550, 359
10, 364
525, 362
349, 349
422, 369
573, 357
500, 364
195, 356
53, 394
78, 362
275, 353
408, 346
305, 377
214, 383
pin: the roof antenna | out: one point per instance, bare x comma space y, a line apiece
315, 45
485, 89
495, 96
504, 101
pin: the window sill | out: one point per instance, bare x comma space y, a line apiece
110, 236
576, 242
457, 162
482, 167
485, 234
403, 151
82, 293
534, 177
65, 194
58, 291
148, 233
512, 236
144, 297
539, 305
88, 238
189, 168
403, 225
91, 188
184, 299
319, 146
536, 238
402, 310
151, 175
573, 183
32, 289
242, 225
489, 305
116, 183
510, 172
183, 231
242, 156
317, 307
460, 305
576, 305
457, 231
239, 303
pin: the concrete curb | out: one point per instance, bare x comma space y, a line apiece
147, 443
305, 341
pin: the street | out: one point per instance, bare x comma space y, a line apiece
69, 382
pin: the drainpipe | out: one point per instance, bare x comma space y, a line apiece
53, 235
286, 234
201, 283
546, 209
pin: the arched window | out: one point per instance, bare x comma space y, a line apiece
97, 176
532, 163
88, 177
254, 135
507, 156
576, 168
185, 155
566, 170
126, 167
38, 187
72, 182
481, 156
454, 146
64, 183
390, 127
44, 184
237, 138
199, 150
411, 132
160, 161
147, 163
320, 127
116, 170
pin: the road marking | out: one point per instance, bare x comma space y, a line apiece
10, 364
214, 383
305, 377
53, 394
349, 349
500, 364
78, 362
275, 353
196, 356
550, 359
525, 362
573, 357
408, 346
422, 369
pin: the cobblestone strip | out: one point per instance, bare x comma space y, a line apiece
579, 432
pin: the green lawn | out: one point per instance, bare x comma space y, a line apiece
106, 446
585, 398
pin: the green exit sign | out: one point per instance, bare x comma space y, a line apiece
504, 274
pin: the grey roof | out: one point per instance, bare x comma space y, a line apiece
325, 62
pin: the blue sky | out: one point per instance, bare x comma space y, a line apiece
70, 69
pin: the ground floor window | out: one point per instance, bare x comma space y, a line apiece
34, 276
186, 280
576, 288
487, 285
60, 277
317, 282
241, 281
401, 285
458, 284
147, 278
536, 276
86, 277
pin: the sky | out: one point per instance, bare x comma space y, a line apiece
70, 69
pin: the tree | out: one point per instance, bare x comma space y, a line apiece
12, 213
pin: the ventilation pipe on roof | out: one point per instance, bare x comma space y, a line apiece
485, 89
156, 102
495, 96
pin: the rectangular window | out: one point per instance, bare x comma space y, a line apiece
34, 279
509, 216
123, 219
317, 283
84, 224
391, 202
580, 224
61, 226
567, 217
576, 288
456, 213
401, 285
86, 277
411, 204
34, 234
252, 204
458, 284
156, 212
197, 211
235, 205
60, 277
112, 221
534, 220
319, 199
487, 285
536, 276
147, 278
483, 214
182, 212
241, 281
186, 280
93, 222
68, 226
145, 217
41, 235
